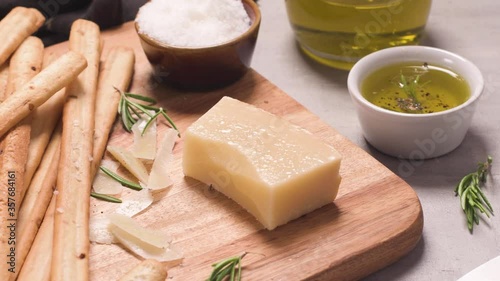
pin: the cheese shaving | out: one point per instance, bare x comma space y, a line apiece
99, 231
103, 183
159, 177
144, 145
144, 250
131, 163
146, 243
146, 236
135, 203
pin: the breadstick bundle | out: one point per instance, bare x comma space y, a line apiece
51, 168
23, 88
115, 72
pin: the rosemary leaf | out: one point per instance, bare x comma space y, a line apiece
485, 200
233, 272
130, 117
220, 266
120, 106
169, 120
143, 108
148, 107
149, 122
142, 98
135, 112
125, 120
120, 179
105, 197
238, 276
225, 272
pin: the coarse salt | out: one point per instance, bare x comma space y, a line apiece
193, 23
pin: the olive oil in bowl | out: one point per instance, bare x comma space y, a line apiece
340, 32
447, 88
416, 88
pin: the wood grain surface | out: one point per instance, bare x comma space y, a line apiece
375, 220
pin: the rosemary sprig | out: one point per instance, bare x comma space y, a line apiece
472, 198
105, 197
131, 111
121, 180
409, 86
230, 267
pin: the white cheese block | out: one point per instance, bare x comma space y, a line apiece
275, 170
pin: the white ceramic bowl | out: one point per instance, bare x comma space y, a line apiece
414, 136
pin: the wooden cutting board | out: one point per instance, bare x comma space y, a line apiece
375, 220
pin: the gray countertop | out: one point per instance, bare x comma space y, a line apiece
470, 28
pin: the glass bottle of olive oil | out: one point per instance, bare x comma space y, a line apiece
340, 32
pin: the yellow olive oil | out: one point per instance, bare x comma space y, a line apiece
340, 32
415, 88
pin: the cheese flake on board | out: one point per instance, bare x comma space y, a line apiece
135, 203
159, 178
147, 236
144, 146
146, 243
99, 231
130, 162
103, 183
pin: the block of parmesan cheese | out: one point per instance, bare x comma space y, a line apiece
275, 170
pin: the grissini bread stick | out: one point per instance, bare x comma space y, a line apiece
37, 264
44, 121
37, 199
116, 72
39, 89
16, 26
4, 193
4, 76
25, 63
70, 257
147, 270
7, 200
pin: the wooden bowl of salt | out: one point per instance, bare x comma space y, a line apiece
198, 50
